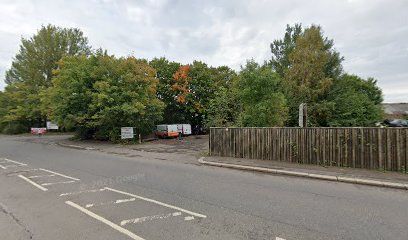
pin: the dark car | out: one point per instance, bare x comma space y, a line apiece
396, 123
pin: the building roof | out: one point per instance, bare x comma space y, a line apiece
395, 108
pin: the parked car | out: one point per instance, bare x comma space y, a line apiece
396, 123
184, 129
166, 130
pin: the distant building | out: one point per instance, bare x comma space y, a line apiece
395, 110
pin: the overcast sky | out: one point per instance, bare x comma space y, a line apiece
372, 35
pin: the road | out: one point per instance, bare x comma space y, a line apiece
52, 192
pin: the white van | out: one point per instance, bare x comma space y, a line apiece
184, 129
167, 130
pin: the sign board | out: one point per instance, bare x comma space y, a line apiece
126, 132
38, 131
51, 125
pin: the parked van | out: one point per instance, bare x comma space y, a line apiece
169, 130
184, 129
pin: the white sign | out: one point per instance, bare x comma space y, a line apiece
126, 132
51, 125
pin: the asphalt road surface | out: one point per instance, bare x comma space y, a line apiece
52, 192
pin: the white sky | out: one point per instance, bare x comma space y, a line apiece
372, 35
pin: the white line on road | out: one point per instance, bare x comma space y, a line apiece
150, 218
278, 238
33, 183
41, 176
188, 218
19, 163
110, 202
59, 174
84, 191
107, 222
3, 167
12, 165
158, 202
53, 183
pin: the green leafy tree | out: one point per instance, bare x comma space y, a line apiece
195, 86
38, 55
281, 48
263, 103
100, 94
355, 102
224, 107
165, 70
31, 73
310, 74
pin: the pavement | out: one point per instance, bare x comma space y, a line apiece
52, 192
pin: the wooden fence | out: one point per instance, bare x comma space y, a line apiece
370, 148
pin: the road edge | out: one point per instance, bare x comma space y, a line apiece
344, 179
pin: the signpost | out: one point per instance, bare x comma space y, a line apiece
303, 115
126, 132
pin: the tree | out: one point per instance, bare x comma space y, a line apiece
194, 87
99, 94
32, 69
355, 102
224, 108
263, 104
310, 74
165, 70
38, 55
281, 48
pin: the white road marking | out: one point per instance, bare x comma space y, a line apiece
149, 218
33, 183
103, 220
31, 170
53, 183
59, 174
3, 167
278, 238
19, 163
158, 202
110, 202
41, 176
84, 191
188, 218
12, 165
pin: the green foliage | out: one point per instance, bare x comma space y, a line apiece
355, 102
165, 71
223, 108
55, 76
31, 74
310, 64
281, 48
38, 55
99, 94
195, 86
263, 103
